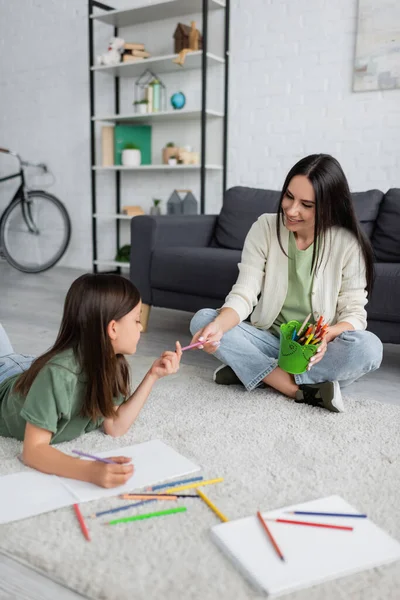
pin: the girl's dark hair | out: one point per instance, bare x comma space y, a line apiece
91, 303
333, 206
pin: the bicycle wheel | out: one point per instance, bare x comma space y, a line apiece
35, 234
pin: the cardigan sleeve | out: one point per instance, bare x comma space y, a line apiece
353, 295
244, 295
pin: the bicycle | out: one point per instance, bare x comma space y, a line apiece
35, 228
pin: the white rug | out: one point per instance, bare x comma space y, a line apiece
271, 452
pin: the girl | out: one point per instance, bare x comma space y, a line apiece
82, 382
311, 257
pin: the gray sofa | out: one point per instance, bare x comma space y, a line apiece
190, 262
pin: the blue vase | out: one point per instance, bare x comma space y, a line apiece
178, 100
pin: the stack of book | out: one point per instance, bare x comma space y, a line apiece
134, 52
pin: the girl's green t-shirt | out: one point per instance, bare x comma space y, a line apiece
297, 304
54, 402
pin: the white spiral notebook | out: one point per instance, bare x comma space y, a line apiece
312, 554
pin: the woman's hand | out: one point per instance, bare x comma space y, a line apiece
167, 364
110, 475
211, 334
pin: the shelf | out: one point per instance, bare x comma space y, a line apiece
159, 64
157, 168
114, 216
112, 263
185, 115
155, 12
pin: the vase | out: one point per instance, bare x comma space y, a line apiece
155, 210
131, 158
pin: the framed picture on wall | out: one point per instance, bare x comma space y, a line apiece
377, 57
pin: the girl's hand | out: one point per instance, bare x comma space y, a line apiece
167, 364
319, 355
211, 334
108, 475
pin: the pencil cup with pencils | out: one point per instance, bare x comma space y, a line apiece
294, 355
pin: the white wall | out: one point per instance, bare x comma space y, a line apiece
290, 95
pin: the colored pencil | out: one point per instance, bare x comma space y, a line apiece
119, 508
98, 458
171, 484
212, 506
326, 514
294, 335
82, 523
160, 513
271, 537
156, 496
148, 497
319, 323
304, 324
191, 486
311, 524
195, 345
308, 340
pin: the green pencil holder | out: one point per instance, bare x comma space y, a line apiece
293, 357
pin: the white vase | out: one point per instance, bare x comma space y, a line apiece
131, 158
141, 108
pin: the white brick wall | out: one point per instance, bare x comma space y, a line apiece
290, 95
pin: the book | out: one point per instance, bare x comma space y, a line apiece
31, 493
133, 46
141, 53
130, 58
140, 135
312, 554
132, 211
107, 145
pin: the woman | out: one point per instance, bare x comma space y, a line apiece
311, 257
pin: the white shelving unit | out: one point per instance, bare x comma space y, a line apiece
200, 60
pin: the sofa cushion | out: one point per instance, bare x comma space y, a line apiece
199, 271
242, 206
384, 304
386, 238
366, 206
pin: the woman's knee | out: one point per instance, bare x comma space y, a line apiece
202, 318
367, 347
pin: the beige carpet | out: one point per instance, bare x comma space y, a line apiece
271, 452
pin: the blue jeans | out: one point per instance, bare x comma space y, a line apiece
11, 363
253, 353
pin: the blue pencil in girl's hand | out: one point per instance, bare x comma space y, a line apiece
104, 460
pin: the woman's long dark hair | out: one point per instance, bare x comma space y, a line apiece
333, 206
91, 303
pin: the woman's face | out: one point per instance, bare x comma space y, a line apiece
125, 333
298, 205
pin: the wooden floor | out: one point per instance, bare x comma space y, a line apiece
30, 310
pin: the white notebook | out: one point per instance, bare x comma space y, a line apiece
32, 493
312, 554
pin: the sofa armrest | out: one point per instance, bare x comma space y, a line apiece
148, 232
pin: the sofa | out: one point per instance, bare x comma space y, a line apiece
190, 262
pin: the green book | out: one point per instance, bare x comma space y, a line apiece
140, 135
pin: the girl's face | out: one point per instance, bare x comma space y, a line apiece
298, 205
125, 333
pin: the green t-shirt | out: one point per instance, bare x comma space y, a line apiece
54, 402
297, 304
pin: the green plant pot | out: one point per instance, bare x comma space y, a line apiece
293, 357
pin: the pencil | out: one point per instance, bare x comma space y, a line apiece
303, 324
191, 486
212, 506
319, 323
82, 523
98, 458
326, 514
119, 508
174, 483
311, 524
195, 345
150, 495
308, 340
271, 537
160, 513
